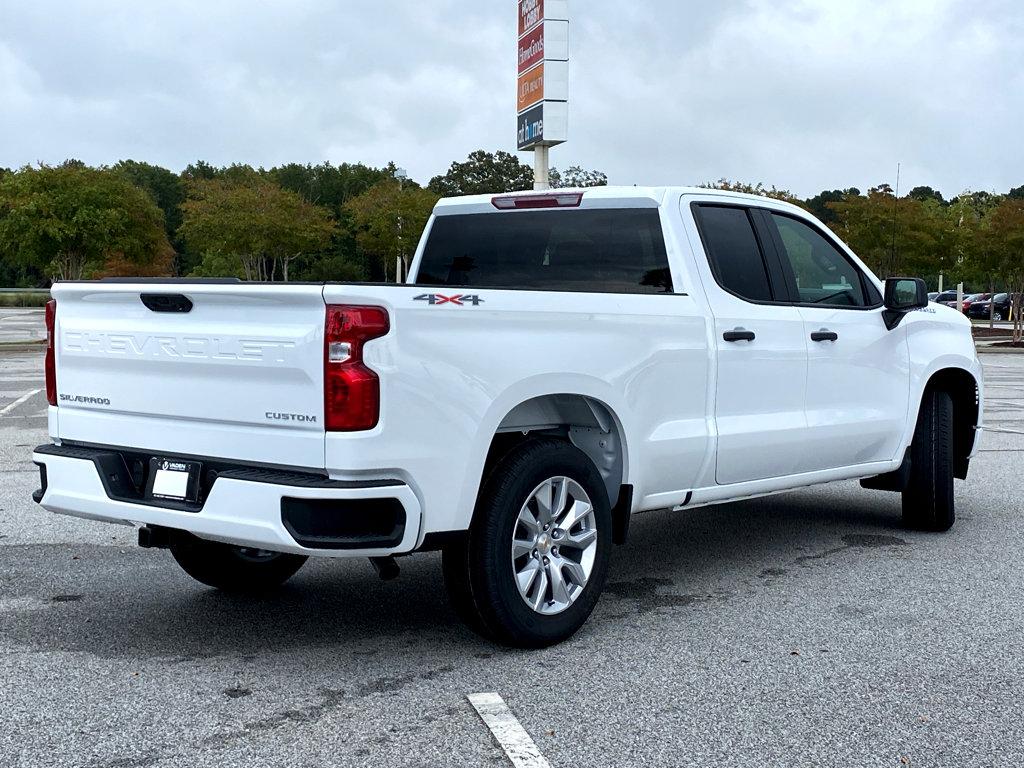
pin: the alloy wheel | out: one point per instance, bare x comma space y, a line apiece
554, 543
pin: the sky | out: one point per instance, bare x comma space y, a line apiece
801, 95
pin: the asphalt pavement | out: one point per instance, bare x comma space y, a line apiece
806, 628
22, 324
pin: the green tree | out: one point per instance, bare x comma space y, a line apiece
333, 186
388, 220
1017, 193
818, 205
925, 193
70, 221
754, 189
483, 173
199, 170
166, 188
1003, 252
248, 226
329, 185
576, 177
894, 236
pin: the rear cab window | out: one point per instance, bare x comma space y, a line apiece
609, 250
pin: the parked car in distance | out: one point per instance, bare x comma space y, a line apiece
969, 300
556, 362
948, 298
1001, 302
933, 295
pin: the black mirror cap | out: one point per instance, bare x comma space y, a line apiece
905, 294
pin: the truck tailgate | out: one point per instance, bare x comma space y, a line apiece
237, 376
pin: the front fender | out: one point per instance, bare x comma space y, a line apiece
939, 341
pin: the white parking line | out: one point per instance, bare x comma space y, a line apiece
14, 404
520, 748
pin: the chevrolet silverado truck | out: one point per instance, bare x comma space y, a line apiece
555, 363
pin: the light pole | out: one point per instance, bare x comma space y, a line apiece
401, 176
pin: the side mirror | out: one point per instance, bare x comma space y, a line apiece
901, 296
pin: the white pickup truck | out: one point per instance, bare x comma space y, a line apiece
556, 362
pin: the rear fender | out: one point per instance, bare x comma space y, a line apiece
527, 390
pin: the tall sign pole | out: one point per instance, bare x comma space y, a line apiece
542, 94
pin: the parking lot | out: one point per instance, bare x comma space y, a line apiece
21, 324
805, 628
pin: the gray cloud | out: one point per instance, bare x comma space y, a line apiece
804, 95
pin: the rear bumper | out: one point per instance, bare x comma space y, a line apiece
263, 509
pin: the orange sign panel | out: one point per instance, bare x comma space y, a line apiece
531, 87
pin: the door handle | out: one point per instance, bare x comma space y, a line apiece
738, 335
824, 336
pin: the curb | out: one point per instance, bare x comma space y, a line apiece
25, 346
989, 350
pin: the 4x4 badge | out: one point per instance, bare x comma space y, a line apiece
458, 299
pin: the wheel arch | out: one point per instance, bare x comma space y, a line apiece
964, 390
578, 415
586, 422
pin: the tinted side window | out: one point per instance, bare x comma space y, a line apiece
617, 250
734, 253
823, 273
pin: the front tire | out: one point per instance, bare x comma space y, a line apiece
534, 562
230, 567
928, 498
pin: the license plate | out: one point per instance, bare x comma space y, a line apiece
173, 479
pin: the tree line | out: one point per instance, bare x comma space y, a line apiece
353, 222
347, 222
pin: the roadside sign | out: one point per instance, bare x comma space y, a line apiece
531, 49
530, 127
531, 88
530, 14
545, 124
545, 42
542, 65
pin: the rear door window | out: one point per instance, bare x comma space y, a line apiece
733, 251
614, 250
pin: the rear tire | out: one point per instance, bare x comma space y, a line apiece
455, 569
230, 567
928, 499
568, 562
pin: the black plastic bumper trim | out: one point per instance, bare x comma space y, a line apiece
344, 524
38, 494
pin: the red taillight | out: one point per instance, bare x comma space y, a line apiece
351, 390
549, 200
51, 352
